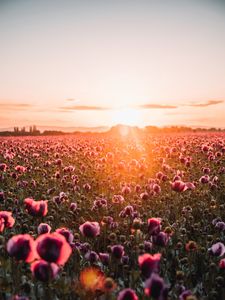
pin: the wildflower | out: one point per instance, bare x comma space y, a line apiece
191, 246
155, 287
154, 226
118, 199
217, 249
44, 271
66, 233
149, 263
90, 229
179, 186
6, 220
92, 256
36, 208
43, 228
222, 263
53, 247
161, 239
127, 294
92, 279
104, 257
117, 251
22, 247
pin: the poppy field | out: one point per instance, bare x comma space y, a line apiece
98, 216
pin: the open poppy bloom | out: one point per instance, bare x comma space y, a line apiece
6, 220
127, 294
36, 208
149, 263
154, 225
44, 271
90, 229
22, 247
156, 288
92, 278
53, 247
179, 186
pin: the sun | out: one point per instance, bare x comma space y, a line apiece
126, 116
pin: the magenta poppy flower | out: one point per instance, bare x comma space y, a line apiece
126, 190
154, 226
104, 257
53, 247
149, 263
118, 199
91, 256
73, 206
204, 179
190, 185
155, 287
179, 186
220, 226
117, 251
36, 208
22, 247
156, 188
144, 196
90, 229
66, 233
6, 220
217, 249
20, 169
222, 263
43, 228
127, 294
161, 239
44, 271
3, 167
2, 225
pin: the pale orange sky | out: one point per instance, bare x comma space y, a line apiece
98, 63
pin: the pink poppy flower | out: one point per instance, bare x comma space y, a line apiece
22, 247
53, 247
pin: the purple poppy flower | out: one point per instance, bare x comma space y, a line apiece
220, 226
127, 294
90, 229
149, 263
44, 271
43, 228
160, 239
217, 249
92, 256
154, 226
155, 287
66, 233
117, 251
104, 257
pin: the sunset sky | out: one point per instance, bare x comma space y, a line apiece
98, 63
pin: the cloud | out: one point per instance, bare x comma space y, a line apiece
156, 106
207, 103
7, 106
83, 107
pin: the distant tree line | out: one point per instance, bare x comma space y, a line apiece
22, 131
33, 131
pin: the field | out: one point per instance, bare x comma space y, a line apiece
108, 217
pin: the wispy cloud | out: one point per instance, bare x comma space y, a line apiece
84, 107
9, 106
205, 104
156, 106
72, 100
